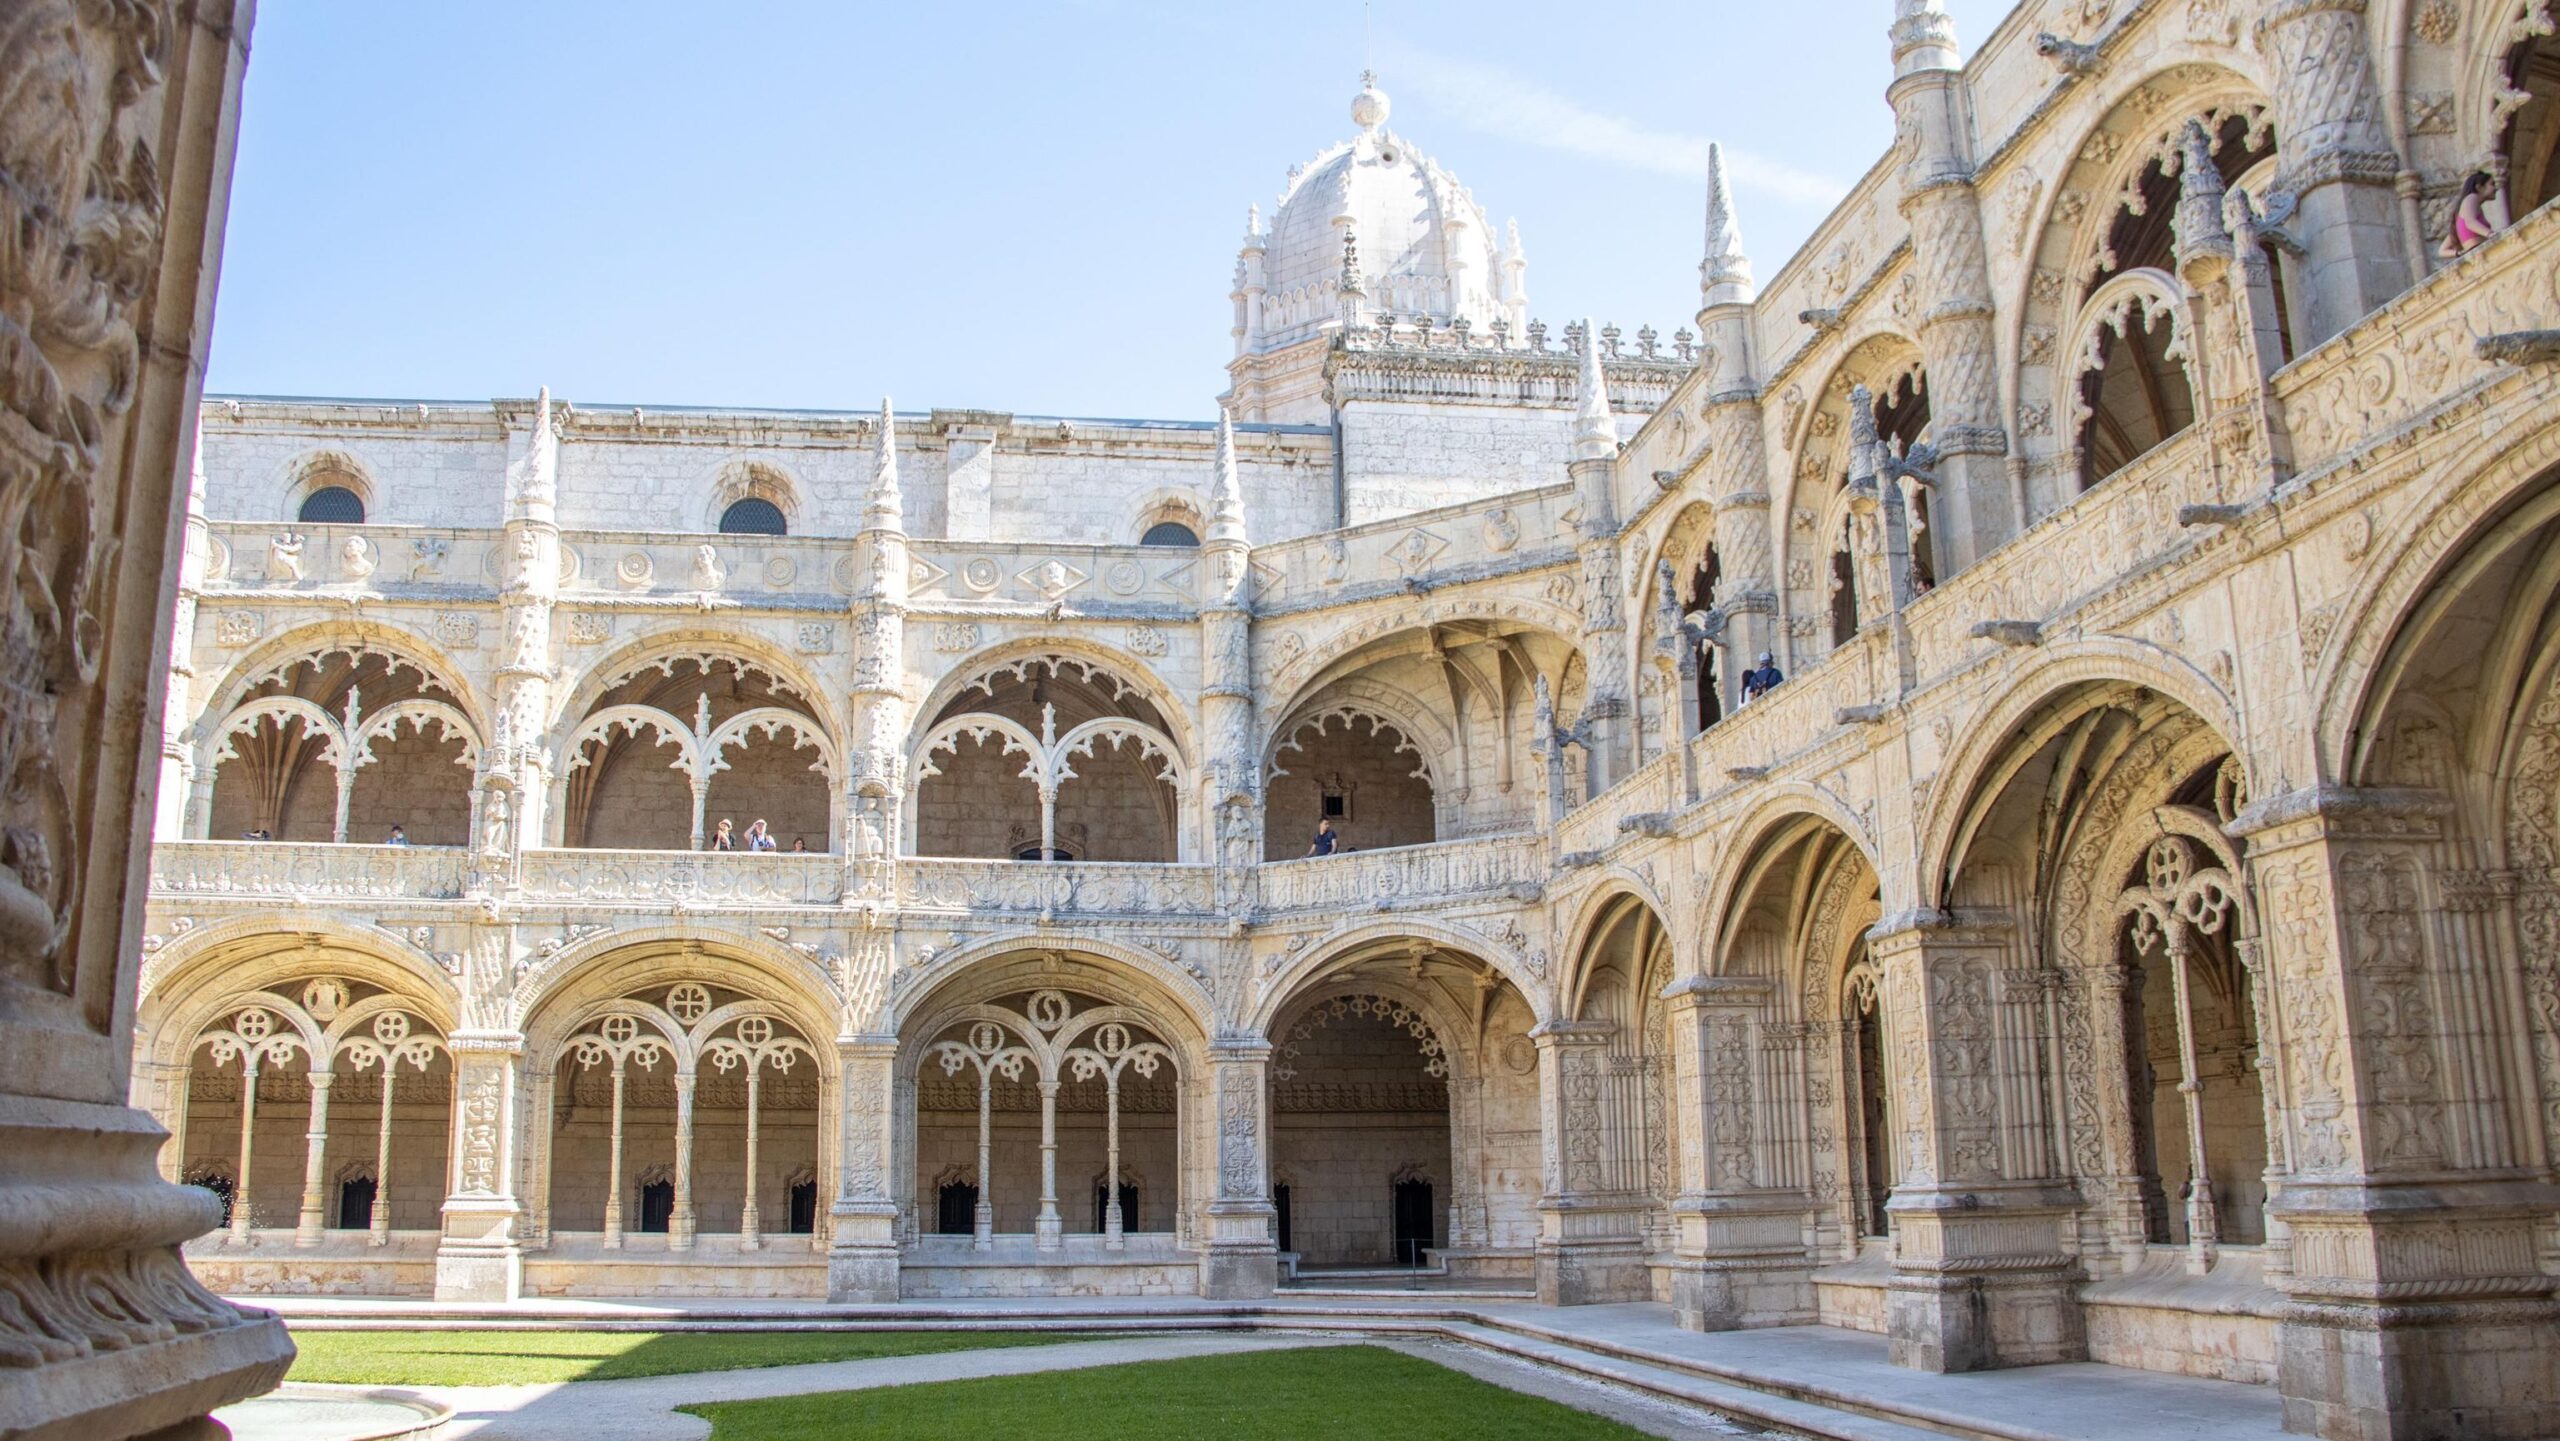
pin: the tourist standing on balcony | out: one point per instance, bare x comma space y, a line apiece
759, 838
1761, 679
799, 845
1325, 840
399, 836
722, 840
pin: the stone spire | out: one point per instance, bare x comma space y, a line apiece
533, 480
1724, 277
1595, 430
1924, 38
1515, 276
1226, 493
883, 509
2203, 238
1351, 291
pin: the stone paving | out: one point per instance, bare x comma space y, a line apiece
1817, 1380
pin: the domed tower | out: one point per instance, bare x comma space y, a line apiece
1370, 228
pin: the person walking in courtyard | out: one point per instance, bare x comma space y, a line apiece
1326, 840
722, 839
1761, 679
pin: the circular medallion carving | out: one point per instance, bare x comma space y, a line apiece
981, 574
1125, 577
635, 569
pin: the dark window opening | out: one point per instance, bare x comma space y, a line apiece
1034, 853
1902, 421
1413, 1221
1280, 1203
657, 1205
2149, 240
355, 1203
1336, 806
1874, 1122
753, 516
956, 1209
1702, 595
332, 505
1844, 597
1170, 532
2532, 141
2137, 396
1128, 1207
804, 1208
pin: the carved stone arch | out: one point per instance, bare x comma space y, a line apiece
2497, 484
1384, 708
319, 468
1786, 805
1297, 974
1172, 992
1182, 504
1458, 1048
754, 478
623, 962
683, 644
1298, 676
1989, 734
401, 648
2137, 122
2496, 29
1129, 673
1619, 897
186, 977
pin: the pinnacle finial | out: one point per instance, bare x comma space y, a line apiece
1595, 430
1226, 494
1924, 38
1724, 276
1369, 107
885, 509
2204, 237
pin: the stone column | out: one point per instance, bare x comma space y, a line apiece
876, 751
749, 1223
315, 1155
1740, 1255
1590, 1232
177, 721
862, 1256
1048, 1228
680, 1215
481, 1258
1242, 1257
2417, 1304
1982, 1276
514, 764
2337, 160
1971, 511
117, 164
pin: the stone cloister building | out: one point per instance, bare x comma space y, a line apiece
2130, 931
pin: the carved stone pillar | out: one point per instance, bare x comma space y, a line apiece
177, 721
115, 157
1242, 1258
2337, 160
2418, 1305
1982, 1277
1590, 1223
314, 1215
514, 790
876, 755
1740, 1258
481, 1258
862, 1257
1609, 714
1971, 512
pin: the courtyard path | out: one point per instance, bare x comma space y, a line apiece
644, 1409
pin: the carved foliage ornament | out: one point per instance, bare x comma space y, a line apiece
81, 207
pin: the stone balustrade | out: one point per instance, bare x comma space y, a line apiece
1056, 888
318, 870
2416, 353
1490, 865
703, 878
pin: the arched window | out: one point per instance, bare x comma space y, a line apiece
2133, 390
1171, 533
753, 516
332, 505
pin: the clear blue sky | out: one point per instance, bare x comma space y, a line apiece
1024, 207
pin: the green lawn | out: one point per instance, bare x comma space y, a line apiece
505, 1358
1323, 1391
